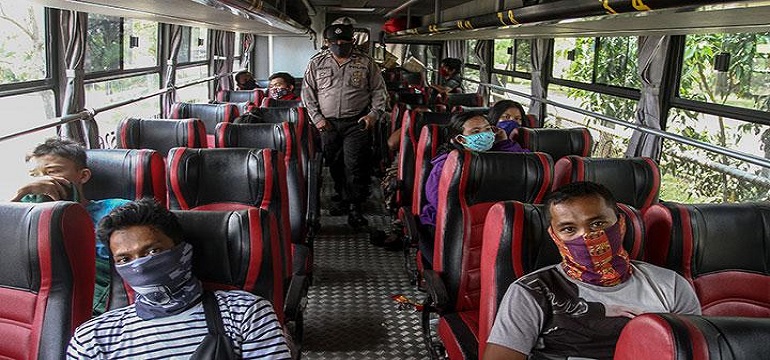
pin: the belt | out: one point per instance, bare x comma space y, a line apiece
351, 118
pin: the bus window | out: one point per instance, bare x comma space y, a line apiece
103, 47
111, 91
23, 42
195, 93
143, 52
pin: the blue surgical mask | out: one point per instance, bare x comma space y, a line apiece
164, 283
482, 141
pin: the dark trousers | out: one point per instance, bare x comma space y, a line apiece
347, 149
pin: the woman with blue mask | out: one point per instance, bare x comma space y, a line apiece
507, 115
469, 131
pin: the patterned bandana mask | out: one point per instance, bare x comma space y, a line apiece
597, 258
482, 141
277, 93
164, 283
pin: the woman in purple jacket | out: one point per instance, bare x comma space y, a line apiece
467, 131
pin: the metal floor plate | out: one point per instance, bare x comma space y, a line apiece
350, 313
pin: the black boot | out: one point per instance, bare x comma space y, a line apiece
355, 218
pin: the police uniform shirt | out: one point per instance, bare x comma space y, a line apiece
332, 90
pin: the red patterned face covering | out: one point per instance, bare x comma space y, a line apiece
597, 257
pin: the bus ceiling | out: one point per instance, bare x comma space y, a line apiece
232, 15
580, 18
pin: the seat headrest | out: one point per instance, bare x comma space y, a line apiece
258, 136
531, 121
410, 98
480, 109
555, 142
633, 181
480, 177
210, 114
268, 115
199, 177
469, 99
240, 96
129, 174
234, 250
670, 336
432, 136
161, 134
270, 102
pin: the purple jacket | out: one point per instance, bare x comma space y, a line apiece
428, 214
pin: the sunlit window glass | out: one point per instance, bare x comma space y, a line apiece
103, 45
22, 44
140, 44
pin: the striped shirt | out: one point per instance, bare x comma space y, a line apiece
248, 321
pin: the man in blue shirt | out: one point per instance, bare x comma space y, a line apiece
59, 171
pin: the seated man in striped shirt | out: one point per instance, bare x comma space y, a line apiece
168, 319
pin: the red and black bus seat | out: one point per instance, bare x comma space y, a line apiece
309, 139
722, 249
161, 134
470, 184
129, 174
279, 137
692, 337
46, 277
555, 142
516, 242
270, 102
633, 181
455, 101
241, 96
210, 114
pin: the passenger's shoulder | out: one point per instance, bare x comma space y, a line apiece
653, 270
537, 273
110, 318
238, 298
320, 56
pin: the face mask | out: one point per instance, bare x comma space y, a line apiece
249, 85
443, 72
482, 141
341, 50
597, 258
164, 283
277, 93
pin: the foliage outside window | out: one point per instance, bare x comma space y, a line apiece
111, 91
573, 59
473, 74
512, 55
470, 53
115, 44
744, 84
23, 45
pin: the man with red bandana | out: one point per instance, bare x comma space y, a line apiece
577, 308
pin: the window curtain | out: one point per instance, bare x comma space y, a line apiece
246, 49
72, 46
176, 43
539, 87
652, 51
481, 53
221, 53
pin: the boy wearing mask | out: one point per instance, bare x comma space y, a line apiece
281, 87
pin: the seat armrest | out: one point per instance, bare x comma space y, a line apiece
314, 192
434, 286
296, 297
411, 224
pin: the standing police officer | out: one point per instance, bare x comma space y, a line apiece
344, 94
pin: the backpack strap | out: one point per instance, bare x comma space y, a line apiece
213, 315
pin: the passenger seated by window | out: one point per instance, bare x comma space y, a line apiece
578, 307
168, 318
469, 131
507, 115
281, 87
450, 79
244, 80
60, 172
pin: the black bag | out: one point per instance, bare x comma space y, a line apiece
216, 345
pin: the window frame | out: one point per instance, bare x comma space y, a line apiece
98, 76
51, 32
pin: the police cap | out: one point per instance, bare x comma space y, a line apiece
339, 32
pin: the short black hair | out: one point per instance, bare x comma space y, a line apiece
499, 108
576, 190
144, 212
453, 64
65, 148
242, 72
283, 75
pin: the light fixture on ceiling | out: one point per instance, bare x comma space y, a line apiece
351, 9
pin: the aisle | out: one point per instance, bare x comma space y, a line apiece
350, 313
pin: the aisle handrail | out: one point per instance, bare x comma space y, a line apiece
749, 158
90, 113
